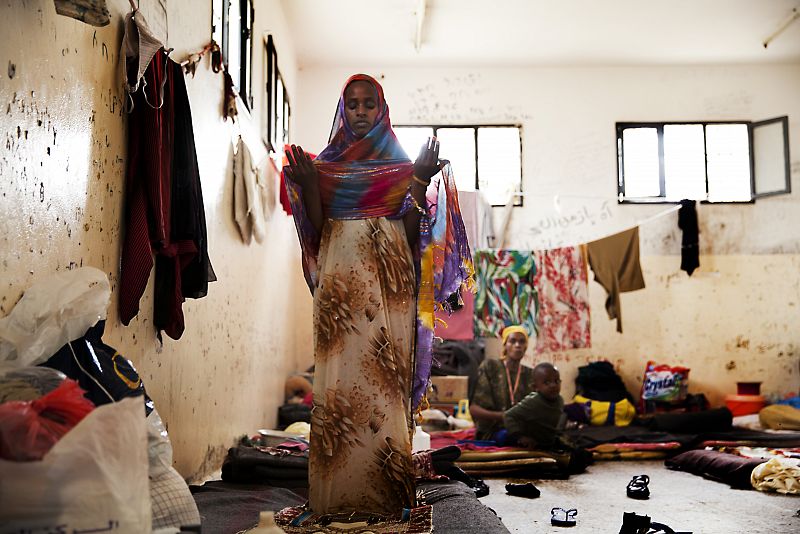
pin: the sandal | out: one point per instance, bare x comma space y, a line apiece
523, 490
637, 487
567, 518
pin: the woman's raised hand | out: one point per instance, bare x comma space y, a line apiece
301, 170
428, 164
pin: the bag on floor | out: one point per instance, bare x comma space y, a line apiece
93, 480
602, 413
29, 429
664, 383
105, 374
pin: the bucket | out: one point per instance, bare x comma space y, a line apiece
745, 404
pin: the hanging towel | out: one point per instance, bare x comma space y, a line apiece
615, 262
248, 201
561, 283
690, 248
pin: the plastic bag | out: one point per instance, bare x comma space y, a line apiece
172, 502
29, 429
52, 313
94, 478
104, 373
664, 383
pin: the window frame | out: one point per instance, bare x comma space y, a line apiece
520, 200
247, 18
659, 126
272, 74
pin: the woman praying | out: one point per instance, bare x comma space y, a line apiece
381, 245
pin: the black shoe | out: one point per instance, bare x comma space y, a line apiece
637, 487
523, 490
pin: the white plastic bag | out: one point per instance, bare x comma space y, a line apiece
171, 501
52, 313
94, 479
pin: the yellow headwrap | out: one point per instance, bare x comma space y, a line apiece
513, 329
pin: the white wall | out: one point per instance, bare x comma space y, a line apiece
63, 182
748, 287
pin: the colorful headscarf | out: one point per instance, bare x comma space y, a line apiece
370, 176
514, 329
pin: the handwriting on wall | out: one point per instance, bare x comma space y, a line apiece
460, 99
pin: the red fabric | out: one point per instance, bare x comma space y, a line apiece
440, 440
459, 325
150, 174
148, 187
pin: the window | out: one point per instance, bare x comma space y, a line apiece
232, 28
707, 161
275, 130
485, 158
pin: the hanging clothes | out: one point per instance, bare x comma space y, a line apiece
139, 45
506, 293
615, 262
690, 242
248, 197
562, 316
165, 215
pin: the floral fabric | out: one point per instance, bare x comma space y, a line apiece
562, 287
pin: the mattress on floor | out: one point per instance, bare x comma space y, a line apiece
227, 508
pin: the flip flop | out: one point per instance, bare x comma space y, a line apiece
566, 519
523, 490
637, 487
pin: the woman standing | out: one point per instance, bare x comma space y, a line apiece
376, 258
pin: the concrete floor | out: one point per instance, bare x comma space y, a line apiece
682, 501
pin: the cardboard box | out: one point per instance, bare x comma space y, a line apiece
450, 388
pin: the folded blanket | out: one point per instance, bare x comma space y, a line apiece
277, 467
777, 474
729, 468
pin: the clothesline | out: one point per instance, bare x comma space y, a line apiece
640, 222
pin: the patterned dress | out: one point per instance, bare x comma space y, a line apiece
364, 327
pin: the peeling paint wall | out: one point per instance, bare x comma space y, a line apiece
736, 318
63, 163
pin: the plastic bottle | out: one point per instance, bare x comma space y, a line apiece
421, 441
266, 525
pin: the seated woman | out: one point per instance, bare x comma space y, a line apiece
501, 384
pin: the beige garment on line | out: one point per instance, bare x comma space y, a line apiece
615, 262
253, 194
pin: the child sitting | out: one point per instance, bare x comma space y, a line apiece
536, 420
